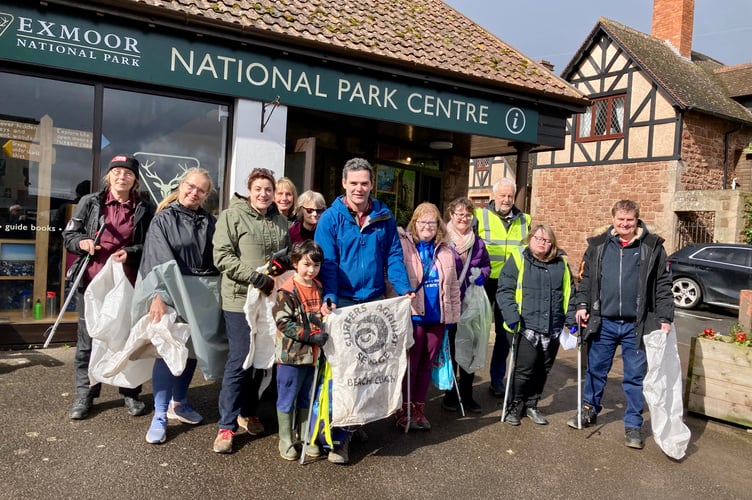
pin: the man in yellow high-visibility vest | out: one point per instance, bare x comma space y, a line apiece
504, 228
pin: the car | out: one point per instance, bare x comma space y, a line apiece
710, 273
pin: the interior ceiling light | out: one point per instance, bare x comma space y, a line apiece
440, 145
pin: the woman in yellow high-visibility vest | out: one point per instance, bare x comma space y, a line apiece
536, 299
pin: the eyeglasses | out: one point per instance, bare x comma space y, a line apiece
541, 240
122, 172
427, 223
317, 211
193, 187
462, 215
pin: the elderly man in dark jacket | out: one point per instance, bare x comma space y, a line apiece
625, 292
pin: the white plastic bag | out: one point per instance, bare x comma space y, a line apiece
566, 340
663, 393
473, 330
108, 305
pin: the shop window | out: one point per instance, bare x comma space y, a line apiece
604, 119
46, 152
168, 136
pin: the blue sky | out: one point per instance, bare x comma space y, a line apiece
555, 29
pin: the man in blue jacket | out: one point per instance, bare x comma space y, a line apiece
625, 292
358, 235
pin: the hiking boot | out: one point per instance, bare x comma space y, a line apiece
80, 409
157, 432
341, 455
418, 420
223, 441
184, 412
589, 417
633, 439
401, 416
252, 425
536, 416
514, 413
496, 390
135, 406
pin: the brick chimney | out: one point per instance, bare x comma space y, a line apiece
673, 20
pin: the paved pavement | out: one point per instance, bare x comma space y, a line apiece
45, 455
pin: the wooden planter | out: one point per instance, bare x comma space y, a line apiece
719, 381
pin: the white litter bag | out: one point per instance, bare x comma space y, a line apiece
108, 305
473, 330
663, 393
567, 340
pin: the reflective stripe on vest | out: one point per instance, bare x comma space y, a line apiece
505, 241
566, 286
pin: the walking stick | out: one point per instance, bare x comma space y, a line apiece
457, 388
407, 424
51, 330
579, 375
510, 370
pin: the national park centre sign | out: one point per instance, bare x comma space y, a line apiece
88, 44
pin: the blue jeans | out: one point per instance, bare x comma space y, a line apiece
239, 392
501, 345
168, 386
600, 358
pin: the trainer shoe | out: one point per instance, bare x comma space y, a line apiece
80, 409
157, 432
223, 441
134, 405
471, 405
589, 417
633, 439
184, 412
536, 416
252, 425
514, 413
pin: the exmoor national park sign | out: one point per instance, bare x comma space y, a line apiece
93, 45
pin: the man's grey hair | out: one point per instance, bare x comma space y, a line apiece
355, 165
505, 180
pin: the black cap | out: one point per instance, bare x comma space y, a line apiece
125, 161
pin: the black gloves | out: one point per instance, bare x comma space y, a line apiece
263, 282
278, 264
316, 335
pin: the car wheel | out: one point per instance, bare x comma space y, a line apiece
687, 293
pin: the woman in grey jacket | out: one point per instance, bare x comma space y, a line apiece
247, 234
536, 297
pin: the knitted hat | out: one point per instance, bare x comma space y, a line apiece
124, 161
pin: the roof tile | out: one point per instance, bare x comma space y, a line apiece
428, 34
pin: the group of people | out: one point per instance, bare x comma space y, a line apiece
351, 253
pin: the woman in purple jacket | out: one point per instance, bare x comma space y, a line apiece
472, 261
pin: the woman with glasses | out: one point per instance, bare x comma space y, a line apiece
248, 233
310, 207
473, 267
432, 272
536, 297
177, 270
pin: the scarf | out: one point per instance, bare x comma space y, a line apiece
462, 242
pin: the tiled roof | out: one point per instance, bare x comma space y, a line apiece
692, 84
427, 36
738, 79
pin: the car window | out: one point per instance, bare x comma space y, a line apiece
725, 255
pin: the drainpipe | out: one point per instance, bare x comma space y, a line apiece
726, 155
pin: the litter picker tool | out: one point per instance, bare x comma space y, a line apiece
87, 258
510, 371
307, 431
579, 375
